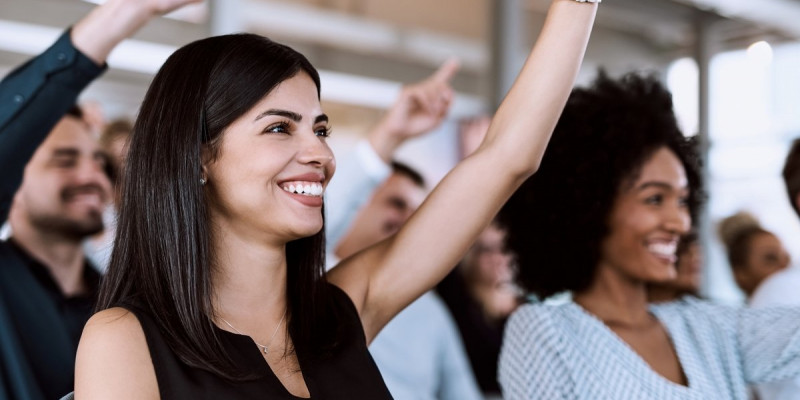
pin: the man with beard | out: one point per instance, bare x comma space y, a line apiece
55, 172
48, 286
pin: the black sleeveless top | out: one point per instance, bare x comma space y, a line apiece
349, 374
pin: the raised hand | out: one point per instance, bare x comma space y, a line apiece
419, 109
107, 25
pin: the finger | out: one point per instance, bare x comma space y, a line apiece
447, 70
421, 99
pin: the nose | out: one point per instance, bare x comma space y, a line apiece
92, 172
677, 220
314, 150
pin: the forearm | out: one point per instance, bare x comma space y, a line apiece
527, 116
384, 141
107, 25
35, 96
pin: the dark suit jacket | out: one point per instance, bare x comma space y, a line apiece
33, 98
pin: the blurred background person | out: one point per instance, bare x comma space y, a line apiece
53, 190
753, 252
480, 295
114, 142
782, 287
688, 269
480, 292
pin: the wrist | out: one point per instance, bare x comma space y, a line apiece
385, 140
107, 25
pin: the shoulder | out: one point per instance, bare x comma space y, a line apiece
780, 289
113, 359
533, 325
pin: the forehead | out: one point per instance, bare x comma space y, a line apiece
765, 239
297, 94
70, 132
399, 183
664, 167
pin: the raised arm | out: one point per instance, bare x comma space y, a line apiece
418, 110
385, 278
37, 94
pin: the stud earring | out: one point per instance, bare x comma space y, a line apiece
202, 181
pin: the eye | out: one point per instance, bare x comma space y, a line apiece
683, 201
655, 199
65, 162
280, 127
323, 131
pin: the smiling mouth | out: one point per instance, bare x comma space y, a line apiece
86, 198
664, 250
311, 189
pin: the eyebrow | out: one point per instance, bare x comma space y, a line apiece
657, 184
291, 115
65, 152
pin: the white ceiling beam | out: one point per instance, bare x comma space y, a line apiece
147, 57
782, 15
304, 23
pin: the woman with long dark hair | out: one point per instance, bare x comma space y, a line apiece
602, 219
216, 287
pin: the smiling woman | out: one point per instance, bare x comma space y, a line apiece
602, 219
221, 227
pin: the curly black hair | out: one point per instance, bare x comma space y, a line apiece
558, 219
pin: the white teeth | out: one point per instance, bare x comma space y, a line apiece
663, 249
304, 188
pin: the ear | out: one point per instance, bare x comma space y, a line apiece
206, 159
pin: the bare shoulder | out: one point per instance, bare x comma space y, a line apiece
113, 359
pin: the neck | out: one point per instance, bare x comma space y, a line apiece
615, 298
249, 281
661, 294
62, 256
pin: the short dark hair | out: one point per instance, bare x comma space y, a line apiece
408, 171
162, 259
115, 129
558, 219
791, 174
736, 232
75, 111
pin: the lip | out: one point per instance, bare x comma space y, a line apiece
90, 199
310, 201
669, 260
309, 177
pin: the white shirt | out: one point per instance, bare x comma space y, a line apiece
780, 289
563, 352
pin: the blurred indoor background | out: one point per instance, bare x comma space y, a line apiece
729, 64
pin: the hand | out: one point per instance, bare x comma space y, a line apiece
110, 23
419, 109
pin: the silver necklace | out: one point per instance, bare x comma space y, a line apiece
262, 346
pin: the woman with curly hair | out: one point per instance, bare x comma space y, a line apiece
617, 188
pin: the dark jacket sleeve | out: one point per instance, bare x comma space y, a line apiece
33, 98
